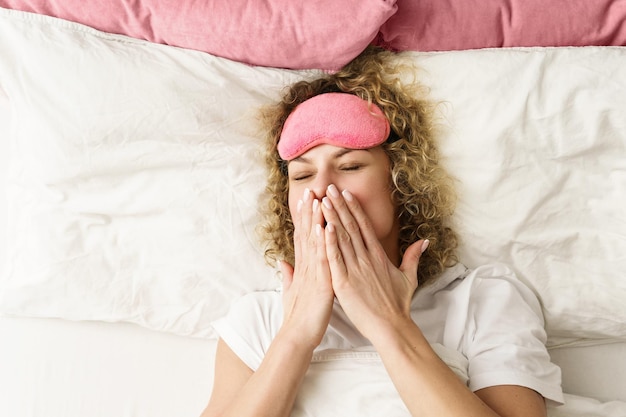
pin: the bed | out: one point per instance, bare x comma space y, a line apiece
131, 177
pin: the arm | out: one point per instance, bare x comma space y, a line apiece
270, 391
415, 368
513, 400
307, 305
376, 296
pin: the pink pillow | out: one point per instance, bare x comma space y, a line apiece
439, 25
321, 34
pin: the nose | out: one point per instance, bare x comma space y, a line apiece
320, 185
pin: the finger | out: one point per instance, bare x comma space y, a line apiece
317, 217
314, 225
334, 255
344, 240
297, 235
346, 218
305, 212
355, 218
323, 268
302, 232
411, 258
362, 221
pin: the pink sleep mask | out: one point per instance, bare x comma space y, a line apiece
339, 119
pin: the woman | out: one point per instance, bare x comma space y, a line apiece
358, 221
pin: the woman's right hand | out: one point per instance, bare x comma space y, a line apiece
307, 288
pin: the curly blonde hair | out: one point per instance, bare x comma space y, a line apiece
422, 190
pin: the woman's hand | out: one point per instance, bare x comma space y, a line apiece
307, 289
375, 294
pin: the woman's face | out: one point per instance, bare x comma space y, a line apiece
365, 173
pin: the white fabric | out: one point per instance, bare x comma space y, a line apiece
355, 383
488, 319
5, 133
134, 180
59, 368
593, 368
536, 138
577, 406
136, 177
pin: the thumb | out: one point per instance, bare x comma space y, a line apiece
411, 257
286, 270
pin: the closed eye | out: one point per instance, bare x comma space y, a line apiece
351, 167
300, 177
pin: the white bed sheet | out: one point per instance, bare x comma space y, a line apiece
595, 369
5, 123
58, 368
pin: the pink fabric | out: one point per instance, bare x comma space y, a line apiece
338, 119
323, 34
439, 25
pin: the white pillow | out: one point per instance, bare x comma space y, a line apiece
136, 176
537, 141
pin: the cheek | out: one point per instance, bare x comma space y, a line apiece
383, 220
292, 203
294, 195
381, 212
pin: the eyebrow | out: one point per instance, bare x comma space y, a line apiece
336, 155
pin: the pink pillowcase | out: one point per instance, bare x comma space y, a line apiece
327, 34
439, 25
322, 34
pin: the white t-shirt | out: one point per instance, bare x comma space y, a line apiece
484, 323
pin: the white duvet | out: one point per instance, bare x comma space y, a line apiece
355, 383
135, 176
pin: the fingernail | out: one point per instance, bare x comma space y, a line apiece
307, 194
316, 205
299, 206
333, 191
425, 245
318, 229
326, 202
330, 227
347, 195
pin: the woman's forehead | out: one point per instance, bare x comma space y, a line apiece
330, 152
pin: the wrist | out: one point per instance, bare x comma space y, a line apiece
298, 341
398, 334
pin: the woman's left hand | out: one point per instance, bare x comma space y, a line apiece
375, 294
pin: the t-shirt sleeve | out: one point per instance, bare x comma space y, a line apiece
250, 326
506, 337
